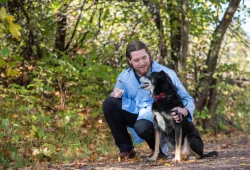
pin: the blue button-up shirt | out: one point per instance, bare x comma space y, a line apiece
138, 101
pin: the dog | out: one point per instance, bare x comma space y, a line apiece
183, 136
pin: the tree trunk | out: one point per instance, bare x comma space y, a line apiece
184, 37
212, 57
175, 35
32, 49
212, 105
154, 10
61, 29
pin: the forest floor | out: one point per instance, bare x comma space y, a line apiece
233, 149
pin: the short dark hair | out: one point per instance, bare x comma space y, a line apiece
136, 46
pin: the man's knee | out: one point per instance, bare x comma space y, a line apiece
144, 128
110, 104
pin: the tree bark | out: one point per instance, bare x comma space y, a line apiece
61, 29
175, 34
154, 10
184, 37
212, 105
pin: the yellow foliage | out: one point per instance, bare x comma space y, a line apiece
2, 13
12, 72
13, 28
9, 18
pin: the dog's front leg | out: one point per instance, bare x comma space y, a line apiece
178, 140
157, 144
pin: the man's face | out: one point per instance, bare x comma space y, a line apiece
140, 61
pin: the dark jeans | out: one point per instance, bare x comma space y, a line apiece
119, 119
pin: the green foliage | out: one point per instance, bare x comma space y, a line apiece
50, 100
7, 20
200, 118
32, 131
203, 115
8, 27
37, 125
233, 107
88, 80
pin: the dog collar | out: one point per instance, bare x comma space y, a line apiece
160, 96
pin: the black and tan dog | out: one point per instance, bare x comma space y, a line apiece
183, 136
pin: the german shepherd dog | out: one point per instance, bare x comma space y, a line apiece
183, 136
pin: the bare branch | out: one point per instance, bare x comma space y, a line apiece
74, 31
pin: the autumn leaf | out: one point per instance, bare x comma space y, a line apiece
167, 164
2, 62
10, 18
12, 72
3, 13
15, 30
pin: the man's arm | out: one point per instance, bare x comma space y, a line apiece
118, 90
128, 104
187, 100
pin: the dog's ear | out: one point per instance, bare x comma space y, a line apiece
170, 82
162, 72
162, 75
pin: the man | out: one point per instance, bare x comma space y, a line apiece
130, 106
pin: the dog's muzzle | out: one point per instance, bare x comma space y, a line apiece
145, 82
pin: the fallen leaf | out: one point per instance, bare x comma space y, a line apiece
166, 164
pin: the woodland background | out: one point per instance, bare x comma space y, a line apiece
59, 60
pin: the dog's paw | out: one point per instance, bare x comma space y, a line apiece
152, 159
191, 158
170, 156
176, 159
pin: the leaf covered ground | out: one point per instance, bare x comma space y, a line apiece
233, 149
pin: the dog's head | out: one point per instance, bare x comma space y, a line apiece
157, 79
147, 83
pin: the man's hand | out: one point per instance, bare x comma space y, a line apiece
178, 114
117, 93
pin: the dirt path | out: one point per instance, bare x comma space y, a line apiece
234, 154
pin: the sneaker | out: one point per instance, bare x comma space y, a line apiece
129, 154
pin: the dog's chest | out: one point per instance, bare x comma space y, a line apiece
163, 120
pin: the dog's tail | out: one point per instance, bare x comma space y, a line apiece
210, 154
